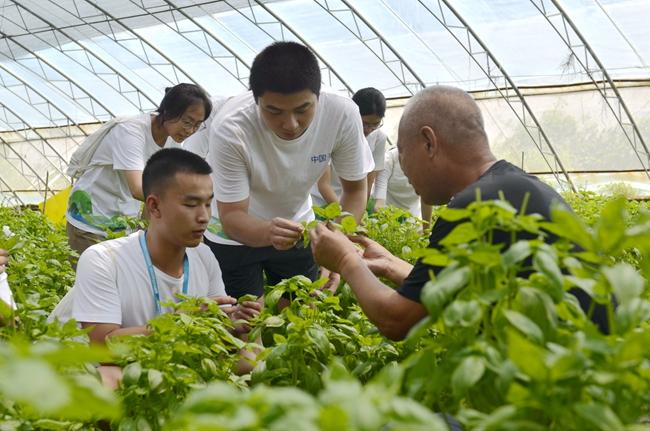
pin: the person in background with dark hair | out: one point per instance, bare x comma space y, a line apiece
122, 283
372, 107
110, 184
268, 147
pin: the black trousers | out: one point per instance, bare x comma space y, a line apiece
243, 268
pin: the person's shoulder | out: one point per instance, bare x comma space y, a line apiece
377, 136
237, 114
140, 121
241, 105
203, 254
335, 102
505, 175
131, 240
102, 253
504, 178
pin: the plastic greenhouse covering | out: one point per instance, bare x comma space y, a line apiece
563, 84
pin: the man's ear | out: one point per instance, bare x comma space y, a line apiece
152, 204
429, 140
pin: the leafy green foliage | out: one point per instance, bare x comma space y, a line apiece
313, 329
39, 274
398, 231
48, 386
505, 344
520, 353
188, 347
343, 404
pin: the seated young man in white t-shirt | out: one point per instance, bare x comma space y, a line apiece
268, 147
372, 107
121, 284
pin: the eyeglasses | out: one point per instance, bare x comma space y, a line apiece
372, 126
191, 127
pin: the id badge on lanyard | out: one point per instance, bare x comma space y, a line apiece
152, 275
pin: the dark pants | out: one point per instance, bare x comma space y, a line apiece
243, 268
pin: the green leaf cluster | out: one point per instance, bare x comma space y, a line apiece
315, 327
514, 350
187, 348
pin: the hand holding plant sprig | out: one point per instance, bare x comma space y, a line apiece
334, 217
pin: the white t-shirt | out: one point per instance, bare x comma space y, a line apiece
102, 193
198, 142
393, 186
377, 144
5, 292
113, 284
276, 175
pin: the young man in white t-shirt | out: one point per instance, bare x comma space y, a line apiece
268, 147
121, 284
372, 107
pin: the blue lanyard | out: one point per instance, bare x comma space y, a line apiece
152, 274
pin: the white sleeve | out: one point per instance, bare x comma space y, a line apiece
211, 265
217, 288
351, 156
379, 152
227, 157
381, 182
96, 299
127, 141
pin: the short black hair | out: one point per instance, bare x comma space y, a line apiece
166, 163
370, 101
285, 68
180, 97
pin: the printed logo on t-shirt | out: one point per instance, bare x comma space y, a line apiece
320, 158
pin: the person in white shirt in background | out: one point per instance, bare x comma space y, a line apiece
268, 147
110, 185
122, 283
393, 188
199, 143
372, 107
5, 291
4, 260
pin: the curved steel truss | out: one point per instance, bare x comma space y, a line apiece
584, 54
49, 48
503, 84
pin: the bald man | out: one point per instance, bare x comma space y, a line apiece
444, 152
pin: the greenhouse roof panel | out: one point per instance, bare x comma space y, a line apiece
69, 62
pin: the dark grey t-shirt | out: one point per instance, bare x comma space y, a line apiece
514, 183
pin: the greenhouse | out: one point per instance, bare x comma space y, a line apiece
324, 215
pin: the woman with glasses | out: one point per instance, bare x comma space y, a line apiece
109, 184
372, 107
199, 142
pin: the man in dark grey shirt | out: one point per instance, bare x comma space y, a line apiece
444, 152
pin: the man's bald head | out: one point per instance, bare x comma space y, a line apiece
451, 112
442, 143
